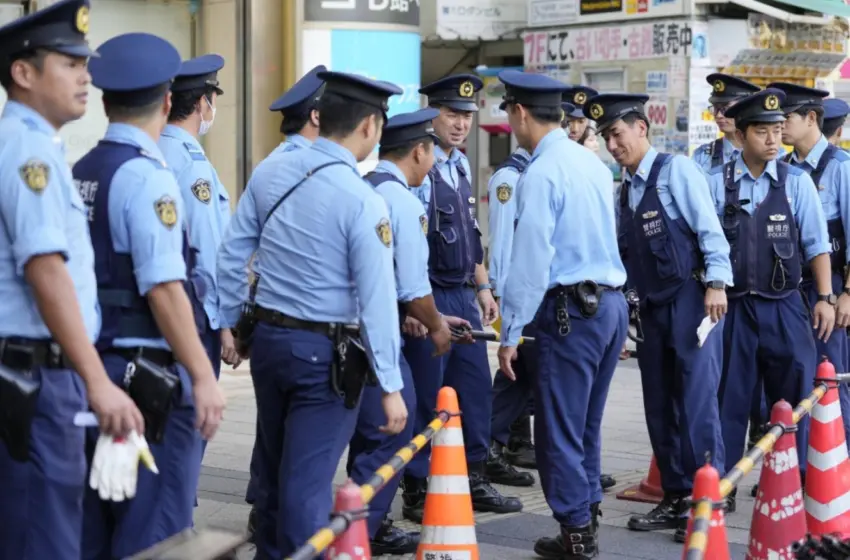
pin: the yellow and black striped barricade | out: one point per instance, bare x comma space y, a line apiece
494, 336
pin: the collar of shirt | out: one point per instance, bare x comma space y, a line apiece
182, 135
129, 134
551, 137
391, 168
523, 153
814, 156
27, 113
741, 170
298, 140
440, 156
336, 151
729, 148
644, 167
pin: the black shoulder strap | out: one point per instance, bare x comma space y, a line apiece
655, 171
717, 152
825, 158
295, 186
788, 156
781, 174
376, 178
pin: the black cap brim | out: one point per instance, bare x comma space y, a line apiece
84, 51
724, 98
577, 113
764, 119
468, 106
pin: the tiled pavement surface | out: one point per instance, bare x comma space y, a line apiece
626, 454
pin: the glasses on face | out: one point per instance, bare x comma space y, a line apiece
719, 108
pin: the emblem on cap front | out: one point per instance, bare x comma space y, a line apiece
771, 103
466, 89
580, 97
719, 86
596, 111
82, 20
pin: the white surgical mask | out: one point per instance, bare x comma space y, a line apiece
206, 125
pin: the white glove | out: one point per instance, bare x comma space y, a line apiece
703, 330
115, 466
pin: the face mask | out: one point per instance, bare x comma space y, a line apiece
206, 125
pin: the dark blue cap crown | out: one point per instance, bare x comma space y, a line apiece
799, 96
199, 73
764, 106
360, 88
61, 27
834, 108
607, 108
301, 98
531, 90
408, 127
725, 87
456, 92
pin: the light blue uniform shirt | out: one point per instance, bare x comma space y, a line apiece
834, 187
702, 155
802, 197
321, 254
42, 214
292, 142
565, 227
501, 222
410, 226
156, 249
677, 193
446, 166
207, 206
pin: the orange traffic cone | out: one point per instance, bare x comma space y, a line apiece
353, 544
648, 491
778, 518
828, 472
448, 524
707, 485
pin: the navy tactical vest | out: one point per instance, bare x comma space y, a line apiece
454, 241
716, 152
835, 227
764, 246
514, 161
660, 254
124, 313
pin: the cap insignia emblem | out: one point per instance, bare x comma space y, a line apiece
466, 89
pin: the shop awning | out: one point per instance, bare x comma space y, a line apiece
828, 7
836, 7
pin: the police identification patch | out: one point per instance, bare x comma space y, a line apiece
36, 175
503, 193
166, 211
201, 190
385, 232
423, 221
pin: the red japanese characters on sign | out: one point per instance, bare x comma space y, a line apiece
656, 112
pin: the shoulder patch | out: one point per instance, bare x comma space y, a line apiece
423, 221
385, 232
202, 191
166, 211
194, 152
35, 174
504, 192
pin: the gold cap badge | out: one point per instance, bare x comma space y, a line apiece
580, 98
466, 89
719, 86
82, 20
771, 103
596, 111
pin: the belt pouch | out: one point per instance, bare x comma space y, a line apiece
154, 389
18, 402
588, 296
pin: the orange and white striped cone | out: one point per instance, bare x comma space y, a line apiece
707, 486
649, 490
828, 472
353, 544
448, 524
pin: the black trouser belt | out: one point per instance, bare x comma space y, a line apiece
29, 353
158, 356
572, 289
278, 319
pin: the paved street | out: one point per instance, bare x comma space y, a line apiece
626, 454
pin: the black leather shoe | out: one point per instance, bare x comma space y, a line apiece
665, 515
252, 524
520, 451
487, 498
392, 540
607, 481
413, 498
681, 531
574, 543
498, 470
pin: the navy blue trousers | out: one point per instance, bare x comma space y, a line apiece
512, 399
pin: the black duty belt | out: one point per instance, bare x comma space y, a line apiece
573, 289
278, 319
158, 356
29, 353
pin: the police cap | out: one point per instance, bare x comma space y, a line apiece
764, 106
577, 96
531, 90
607, 108
726, 88
569, 110
797, 97
455, 92
360, 88
834, 108
303, 97
199, 73
61, 27
408, 127
134, 68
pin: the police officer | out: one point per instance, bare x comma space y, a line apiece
406, 155
725, 90
835, 112
298, 107
576, 120
324, 244
457, 274
569, 261
141, 254
49, 301
678, 261
770, 211
829, 168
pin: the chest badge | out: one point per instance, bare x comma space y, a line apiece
649, 215
423, 221
777, 217
503, 193
202, 191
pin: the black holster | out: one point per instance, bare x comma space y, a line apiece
351, 370
588, 296
244, 331
18, 401
154, 389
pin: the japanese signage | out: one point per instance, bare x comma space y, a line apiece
587, 7
567, 12
486, 20
607, 43
398, 12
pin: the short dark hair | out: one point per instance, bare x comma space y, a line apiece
115, 111
35, 57
806, 109
551, 115
341, 115
403, 150
831, 126
292, 124
184, 103
631, 118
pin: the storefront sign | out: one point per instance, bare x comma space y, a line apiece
567, 12
589, 7
398, 12
485, 20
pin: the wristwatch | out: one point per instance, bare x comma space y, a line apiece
481, 287
717, 285
829, 298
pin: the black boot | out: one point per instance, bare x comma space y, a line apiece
392, 540
498, 470
520, 451
252, 524
607, 481
574, 543
413, 498
487, 498
665, 515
